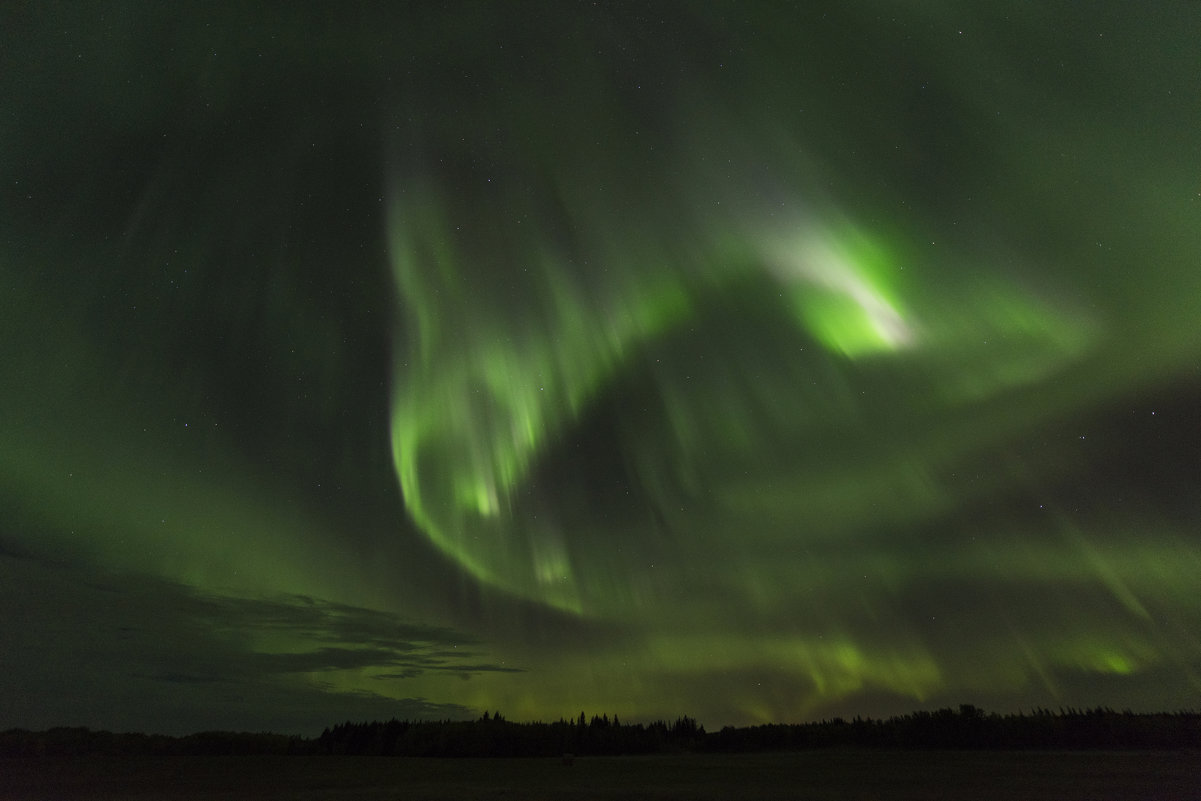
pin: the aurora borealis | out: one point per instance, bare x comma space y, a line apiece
750, 361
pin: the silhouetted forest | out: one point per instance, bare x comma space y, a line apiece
492, 736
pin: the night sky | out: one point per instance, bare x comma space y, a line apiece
750, 361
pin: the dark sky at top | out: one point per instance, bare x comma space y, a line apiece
751, 361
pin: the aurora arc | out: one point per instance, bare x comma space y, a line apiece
484, 391
756, 362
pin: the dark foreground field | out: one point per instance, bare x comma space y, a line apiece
1060, 776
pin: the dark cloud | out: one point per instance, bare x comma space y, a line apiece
162, 656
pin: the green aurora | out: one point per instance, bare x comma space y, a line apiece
752, 362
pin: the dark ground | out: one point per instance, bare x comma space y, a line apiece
813, 775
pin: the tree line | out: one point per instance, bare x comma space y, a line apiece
967, 727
